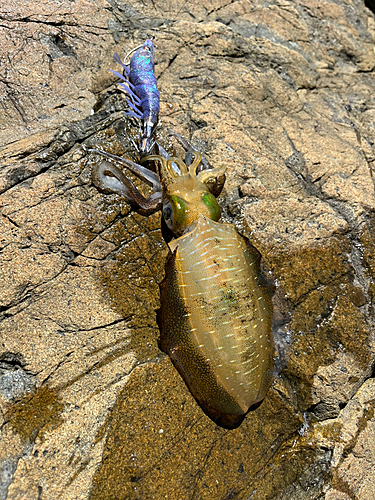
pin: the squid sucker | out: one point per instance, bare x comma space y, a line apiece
215, 317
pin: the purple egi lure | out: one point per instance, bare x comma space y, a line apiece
141, 87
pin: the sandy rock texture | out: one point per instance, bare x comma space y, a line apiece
283, 94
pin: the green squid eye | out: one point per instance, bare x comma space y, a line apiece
178, 211
210, 201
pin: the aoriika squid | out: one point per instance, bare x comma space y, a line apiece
141, 86
215, 318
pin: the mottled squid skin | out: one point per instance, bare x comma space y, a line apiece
215, 321
215, 318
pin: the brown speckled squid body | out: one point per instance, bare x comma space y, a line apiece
215, 317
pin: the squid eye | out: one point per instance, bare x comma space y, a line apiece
167, 214
214, 210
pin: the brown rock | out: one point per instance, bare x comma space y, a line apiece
281, 93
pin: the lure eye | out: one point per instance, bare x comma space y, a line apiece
167, 214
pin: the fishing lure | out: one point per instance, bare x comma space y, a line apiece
139, 82
215, 318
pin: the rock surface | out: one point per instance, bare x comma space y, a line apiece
281, 92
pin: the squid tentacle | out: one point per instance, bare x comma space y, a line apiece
189, 148
109, 178
146, 175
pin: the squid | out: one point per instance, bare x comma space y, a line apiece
215, 316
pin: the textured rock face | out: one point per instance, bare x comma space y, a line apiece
283, 94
